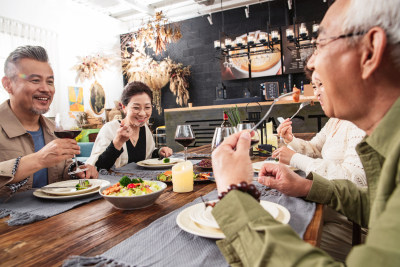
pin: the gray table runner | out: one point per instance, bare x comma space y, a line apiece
25, 208
163, 243
134, 170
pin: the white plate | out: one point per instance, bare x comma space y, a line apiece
71, 190
187, 224
205, 217
257, 165
156, 163
40, 194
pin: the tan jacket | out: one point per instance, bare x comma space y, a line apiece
15, 141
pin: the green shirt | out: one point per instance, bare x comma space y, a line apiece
254, 238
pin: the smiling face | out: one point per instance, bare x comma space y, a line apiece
318, 89
31, 87
138, 110
338, 67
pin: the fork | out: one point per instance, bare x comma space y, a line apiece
269, 110
302, 105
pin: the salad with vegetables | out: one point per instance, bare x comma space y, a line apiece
131, 187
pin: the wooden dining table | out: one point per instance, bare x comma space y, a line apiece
95, 227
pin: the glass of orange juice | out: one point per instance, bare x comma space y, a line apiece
182, 177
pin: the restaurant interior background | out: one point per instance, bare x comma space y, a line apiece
70, 31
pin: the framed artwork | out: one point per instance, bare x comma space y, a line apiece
75, 98
97, 98
260, 65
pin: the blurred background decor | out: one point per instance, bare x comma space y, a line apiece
90, 66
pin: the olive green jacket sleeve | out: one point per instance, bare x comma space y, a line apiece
254, 238
353, 201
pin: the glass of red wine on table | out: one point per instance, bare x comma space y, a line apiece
68, 127
184, 136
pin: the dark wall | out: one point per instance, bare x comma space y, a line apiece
196, 48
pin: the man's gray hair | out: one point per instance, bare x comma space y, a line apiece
362, 15
32, 52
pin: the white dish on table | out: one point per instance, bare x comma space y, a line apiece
41, 194
156, 163
186, 223
57, 188
257, 165
205, 217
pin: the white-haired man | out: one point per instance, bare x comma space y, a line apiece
358, 60
30, 154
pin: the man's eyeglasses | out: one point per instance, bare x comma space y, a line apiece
325, 41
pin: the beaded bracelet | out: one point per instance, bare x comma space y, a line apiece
16, 164
250, 189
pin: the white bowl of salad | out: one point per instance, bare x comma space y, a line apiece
130, 194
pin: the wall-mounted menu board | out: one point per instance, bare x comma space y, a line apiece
271, 90
294, 58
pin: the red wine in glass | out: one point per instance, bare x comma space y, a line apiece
68, 127
184, 136
185, 142
71, 134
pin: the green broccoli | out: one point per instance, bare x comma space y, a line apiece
166, 160
81, 187
125, 180
136, 181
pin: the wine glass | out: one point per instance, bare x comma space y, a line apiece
255, 139
184, 136
68, 127
220, 134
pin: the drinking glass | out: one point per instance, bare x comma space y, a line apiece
67, 127
220, 134
255, 139
184, 136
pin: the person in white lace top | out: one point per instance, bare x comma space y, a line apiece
331, 153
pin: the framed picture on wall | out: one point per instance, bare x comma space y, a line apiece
97, 98
75, 98
262, 62
294, 58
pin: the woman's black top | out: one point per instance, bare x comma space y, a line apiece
135, 153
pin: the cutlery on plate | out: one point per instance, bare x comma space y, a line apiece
302, 105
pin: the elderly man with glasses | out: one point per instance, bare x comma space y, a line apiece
358, 60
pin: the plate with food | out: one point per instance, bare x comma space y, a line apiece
159, 163
130, 194
257, 165
41, 194
71, 187
166, 176
205, 164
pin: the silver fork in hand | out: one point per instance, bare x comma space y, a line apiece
302, 105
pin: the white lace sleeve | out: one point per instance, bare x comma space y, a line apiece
313, 147
342, 162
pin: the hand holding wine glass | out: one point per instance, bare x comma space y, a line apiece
220, 134
184, 136
255, 138
67, 127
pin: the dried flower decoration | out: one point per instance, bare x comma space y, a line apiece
90, 66
156, 75
157, 33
